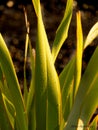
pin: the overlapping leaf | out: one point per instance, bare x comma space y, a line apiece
62, 31
40, 75
87, 85
93, 33
10, 75
44, 59
79, 53
4, 120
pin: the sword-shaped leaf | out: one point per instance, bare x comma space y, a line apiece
79, 53
67, 81
93, 33
40, 72
86, 87
46, 73
13, 84
62, 31
4, 120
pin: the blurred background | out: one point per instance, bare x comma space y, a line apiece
13, 29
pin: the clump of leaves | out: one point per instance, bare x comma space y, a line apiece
52, 102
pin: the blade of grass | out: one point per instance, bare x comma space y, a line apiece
40, 76
85, 86
7, 100
36, 4
67, 107
41, 84
90, 102
4, 121
32, 87
25, 82
27, 44
10, 75
64, 74
53, 86
93, 33
32, 116
31, 51
4, 87
28, 95
10, 110
31, 98
54, 96
54, 103
62, 31
66, 81
79, 53
54, 92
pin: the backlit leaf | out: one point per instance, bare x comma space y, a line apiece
62, 31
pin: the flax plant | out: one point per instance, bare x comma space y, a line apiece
53, 102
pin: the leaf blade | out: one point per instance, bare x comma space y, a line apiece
10, 75
62, 30
79, 53
40, 73
4, 121
84, 88
93, 33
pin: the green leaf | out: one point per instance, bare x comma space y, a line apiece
91, 102
54, 92
93, 33
79, 52
64, 74
4, 120
32, 116
13, 84
36, 4
40, 75
67, 106
62, 31
66, 82
25, 59
31, 94
54, 96
32, 83
86, 88
4, 86
10, 109
45, 70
